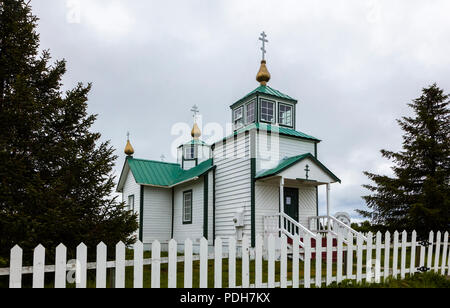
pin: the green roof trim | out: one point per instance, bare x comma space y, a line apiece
276, 129
289, 162
194, 141
267, 91
156, 173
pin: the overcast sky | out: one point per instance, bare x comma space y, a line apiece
352, 65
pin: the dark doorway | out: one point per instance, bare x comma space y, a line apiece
291, 205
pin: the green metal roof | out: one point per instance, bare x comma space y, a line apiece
268, 91
149, 172
193, 141
288, 162
276, 129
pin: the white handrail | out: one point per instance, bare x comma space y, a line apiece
297, 224
341, 224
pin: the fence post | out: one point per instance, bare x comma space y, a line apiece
318, 260
271, 261
403, 256
307, 263
218, 263
245, 262
369, 257
387, 251
430, 250
187, 263
329, 258
295, 257
15, 267
258, 261
349, 266
120, 265
437, 251
359, 249
339, 260
232, 262
283, 262
80, 274
203, 263
138, 274
444, 253
412, 266
101, 266
156, 264
378, 258
60, 266
38, 267
172, 271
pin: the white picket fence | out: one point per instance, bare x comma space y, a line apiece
376, 265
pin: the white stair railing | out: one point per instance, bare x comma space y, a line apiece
285, 224
325, 224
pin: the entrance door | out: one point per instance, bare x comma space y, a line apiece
291, 202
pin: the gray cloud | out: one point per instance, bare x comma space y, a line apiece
353, 66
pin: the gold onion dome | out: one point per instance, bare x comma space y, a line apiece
129, 149
196, 133
263, 75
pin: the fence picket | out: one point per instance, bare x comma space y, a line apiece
422, 256
203, 263
359, 248
403, 256
138, 270
307, 263
232, 262
412, 266
15, 268
187, 264
339, 258
38, 266
437, 251
295, 258
329, 258
172, 273
60, 266
80, 273
218, 263
271, 261
245, 262
387, 251
349, 256
101, 266
258, 261
120, 265
430, 250
369, 267
395, 256
318, 278
283, 262
378, 258
444, 254
156, 265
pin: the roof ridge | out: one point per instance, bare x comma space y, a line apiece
155, 161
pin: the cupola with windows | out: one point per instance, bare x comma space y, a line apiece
264, 104
196, 151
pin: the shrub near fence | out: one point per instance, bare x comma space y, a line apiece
369, 259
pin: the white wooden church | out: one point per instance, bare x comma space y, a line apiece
261, 179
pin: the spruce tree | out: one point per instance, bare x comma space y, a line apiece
417, 197
55, 174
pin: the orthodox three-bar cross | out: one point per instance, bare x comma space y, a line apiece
307, 171
264, 41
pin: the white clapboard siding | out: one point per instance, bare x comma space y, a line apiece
101, 266
138, 271
60, 266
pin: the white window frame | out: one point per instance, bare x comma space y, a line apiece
189, 151
253, 102
291, 115
238, 121
187, 215
130, 203
263, 101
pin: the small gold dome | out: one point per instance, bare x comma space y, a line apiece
129, 149
196, 133
263, 76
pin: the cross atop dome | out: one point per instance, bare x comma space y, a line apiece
263, 75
